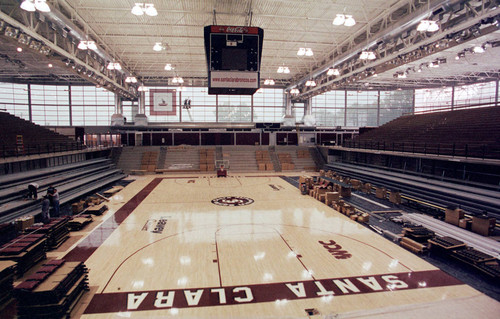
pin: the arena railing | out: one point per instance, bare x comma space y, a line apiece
37, 149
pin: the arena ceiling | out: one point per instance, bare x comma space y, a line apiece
405, 57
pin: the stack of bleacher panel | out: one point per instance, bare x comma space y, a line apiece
56, 231
7, 233
53, 291
79, 221
7, 274
26, 250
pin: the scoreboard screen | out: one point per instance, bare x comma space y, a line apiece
233, 59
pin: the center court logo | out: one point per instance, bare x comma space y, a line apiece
232, 201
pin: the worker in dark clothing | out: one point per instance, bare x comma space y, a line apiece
54, 201
45, 209
32, 190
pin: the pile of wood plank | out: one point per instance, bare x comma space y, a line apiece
79, 221
53, 291
56, 231
26, 250
7, 274
97, 210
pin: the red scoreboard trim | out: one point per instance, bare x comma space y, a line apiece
234, 29
151, 103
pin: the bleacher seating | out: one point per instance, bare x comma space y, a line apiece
468, 132
32, 134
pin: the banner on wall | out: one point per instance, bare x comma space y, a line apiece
162, 102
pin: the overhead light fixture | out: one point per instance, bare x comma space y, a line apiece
131, 79
478, 49
309, 52
401, 75
283, 69
342, 19
87, 45
269, 82
333, 71
339, 19
19, 49
142, 88
349, 21
28, 5
428, 26
140, 8
434, 64
114, 66
177, 80
168, 67
50, 65
294, 91
460, 55
310, 83
159, 46
367, 55
305, 51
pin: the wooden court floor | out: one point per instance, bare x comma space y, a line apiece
165, 249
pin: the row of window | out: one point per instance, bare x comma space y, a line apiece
89, 106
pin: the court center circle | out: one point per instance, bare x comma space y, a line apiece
232, 201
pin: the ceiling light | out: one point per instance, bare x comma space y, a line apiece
478, 49
333, 71
19, 49
310, 83
87, 45
168, 67
349, 21
402, 75
427, 26
434, 64
177, 79
339, 19
367, 55
50, 65
140, 8
142, 88
269, 82
309, 52
28, 5
286, 70
159, 46
294, 91
131, 79
280, 70
150, 10
41, 5
114, 66
301, 52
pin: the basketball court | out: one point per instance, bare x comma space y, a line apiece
252, 246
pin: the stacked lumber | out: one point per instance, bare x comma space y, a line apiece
207, 160
56, 231
53, 291
413, 245
97, 210
113, 190
80, 221
26, 250
7, 274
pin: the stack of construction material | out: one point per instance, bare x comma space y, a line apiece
53, 291
207, 160
79, 221
416, 238
56, 231
26, 250
286, 161
97, 210
7, 274
264, 160
149, 160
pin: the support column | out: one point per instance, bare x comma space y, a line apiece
141, 119
117, 119
289, 119
309, 119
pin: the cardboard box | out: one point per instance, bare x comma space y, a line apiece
269, 167
395, 197
380, 192
483, 225
453, 216
24, 222
262, 166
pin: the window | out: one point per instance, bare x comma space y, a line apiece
91, 106
475, 95
50, 105
431, 100
328, 108
14, 99
362, 108
269, 106
394, 104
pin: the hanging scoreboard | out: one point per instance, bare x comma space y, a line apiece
233, 59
